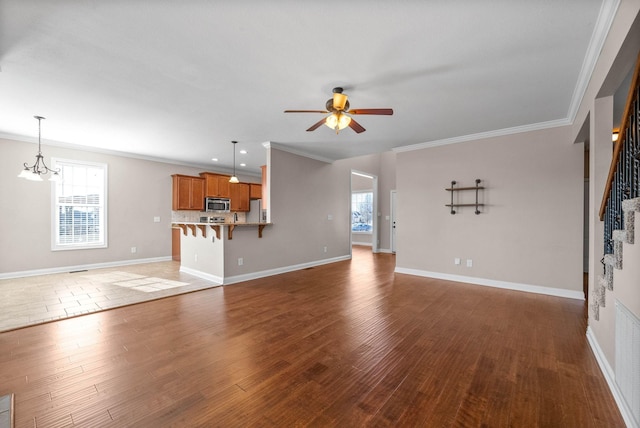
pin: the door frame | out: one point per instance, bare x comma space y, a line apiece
393, 194
374, 232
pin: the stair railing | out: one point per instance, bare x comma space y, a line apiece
623, 181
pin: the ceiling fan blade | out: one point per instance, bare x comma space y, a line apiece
317, 125
382, 111
306, 111
356, 126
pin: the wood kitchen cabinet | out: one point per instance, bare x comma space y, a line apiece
255, 191
216, 185
188, 193
175, 243
239, 197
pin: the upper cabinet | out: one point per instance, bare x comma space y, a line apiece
239, 196
216, 185
188, 192
255, 191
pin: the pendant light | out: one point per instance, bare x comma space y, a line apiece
35, 171
234, 179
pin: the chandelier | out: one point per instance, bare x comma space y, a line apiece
35, 171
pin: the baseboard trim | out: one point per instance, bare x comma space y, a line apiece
65, 269
610, 377
270, 272
558, 292
203, 275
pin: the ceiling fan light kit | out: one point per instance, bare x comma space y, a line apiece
337, 121
339, 118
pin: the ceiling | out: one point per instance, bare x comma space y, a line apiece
179, 80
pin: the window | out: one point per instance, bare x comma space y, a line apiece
362, 212
79, 206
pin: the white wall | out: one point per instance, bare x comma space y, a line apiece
530, 231
303, 193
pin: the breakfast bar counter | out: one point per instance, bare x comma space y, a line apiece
216, 227
203, 247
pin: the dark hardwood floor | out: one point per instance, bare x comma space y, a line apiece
345, 344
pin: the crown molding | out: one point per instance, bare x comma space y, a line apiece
483, 135
54, 143
288, 149
606, 15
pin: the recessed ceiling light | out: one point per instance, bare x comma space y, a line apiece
243, 152
214, 159
243, 164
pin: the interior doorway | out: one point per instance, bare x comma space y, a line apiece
364, 209
392, 231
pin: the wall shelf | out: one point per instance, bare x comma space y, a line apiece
454, 189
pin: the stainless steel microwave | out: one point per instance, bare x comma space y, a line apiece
217, 205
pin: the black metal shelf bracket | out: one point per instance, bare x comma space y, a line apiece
477, 204
477, 188
453, 183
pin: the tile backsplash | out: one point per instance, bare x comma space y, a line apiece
194, 216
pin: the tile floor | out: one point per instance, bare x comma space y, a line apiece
38, 299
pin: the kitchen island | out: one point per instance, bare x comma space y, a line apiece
202, 247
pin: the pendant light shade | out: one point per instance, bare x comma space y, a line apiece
233, 178
339, 101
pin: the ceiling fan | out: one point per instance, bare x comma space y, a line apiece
339, 118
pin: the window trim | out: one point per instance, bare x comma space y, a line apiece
363, 232
54, 210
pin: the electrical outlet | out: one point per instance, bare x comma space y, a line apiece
240, 261
156, 219
195, 257
456, 261
469, 263
325, 249
329, 217
134, 250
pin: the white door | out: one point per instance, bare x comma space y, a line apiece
392, 232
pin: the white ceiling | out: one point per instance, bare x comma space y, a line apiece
180, 80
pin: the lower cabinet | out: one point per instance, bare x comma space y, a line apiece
175, 243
